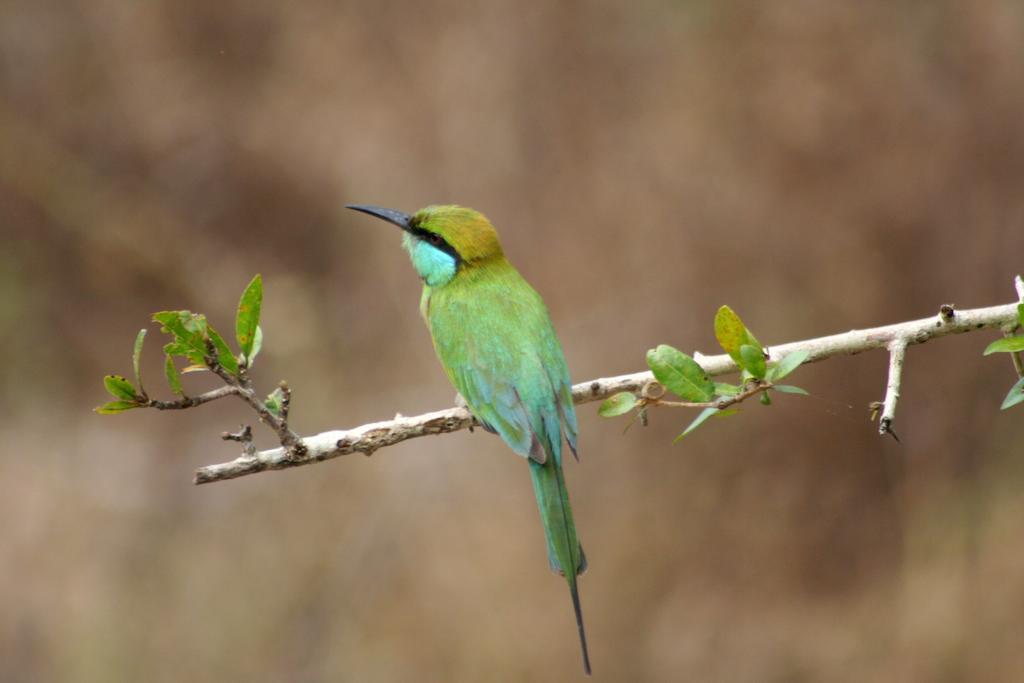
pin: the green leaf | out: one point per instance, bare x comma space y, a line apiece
620, 403
790, 389
136, 356
1020, 313
788, 364
680, 374
641, 416
119, 387
173, 323
273, 402
178, 349
194, 323
732, 333
724, 389
1015, 396
170, 322
697, 422
727, 412
116, 407
173, 380
753, 360
257, 344
1005, 345
189, 332
766, 400
248, 316
224, 356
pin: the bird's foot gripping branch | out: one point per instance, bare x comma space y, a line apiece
193, 339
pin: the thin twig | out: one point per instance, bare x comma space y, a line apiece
243, 436
753, 388
897, 355
193, 401
370, 437
290, 441
1017, 364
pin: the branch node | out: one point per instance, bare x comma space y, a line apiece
652, 390
244, 437
243, 434
286, 401
947, 312
296, 452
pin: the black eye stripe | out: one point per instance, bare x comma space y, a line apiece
437, 241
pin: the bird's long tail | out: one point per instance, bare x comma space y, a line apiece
564, 548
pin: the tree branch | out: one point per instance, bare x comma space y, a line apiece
370, 437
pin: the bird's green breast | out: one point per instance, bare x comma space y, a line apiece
494, 338
488, 317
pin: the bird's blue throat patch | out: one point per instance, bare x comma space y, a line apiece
435, 265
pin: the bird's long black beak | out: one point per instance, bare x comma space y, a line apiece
402, 220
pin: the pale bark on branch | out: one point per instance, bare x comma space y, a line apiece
370, 437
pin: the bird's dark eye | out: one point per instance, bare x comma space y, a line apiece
434, 239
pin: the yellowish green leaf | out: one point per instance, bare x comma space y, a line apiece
697, 422
620, 403
732, 333
1005, 345
119, 387
116, 407
171, 373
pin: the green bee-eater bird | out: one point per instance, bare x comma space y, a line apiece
494, 338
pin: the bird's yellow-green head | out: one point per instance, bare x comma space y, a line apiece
442, 240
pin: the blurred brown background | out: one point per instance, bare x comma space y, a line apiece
819, 166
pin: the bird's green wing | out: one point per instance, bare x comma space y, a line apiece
500, 351
561, 386
499, 407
